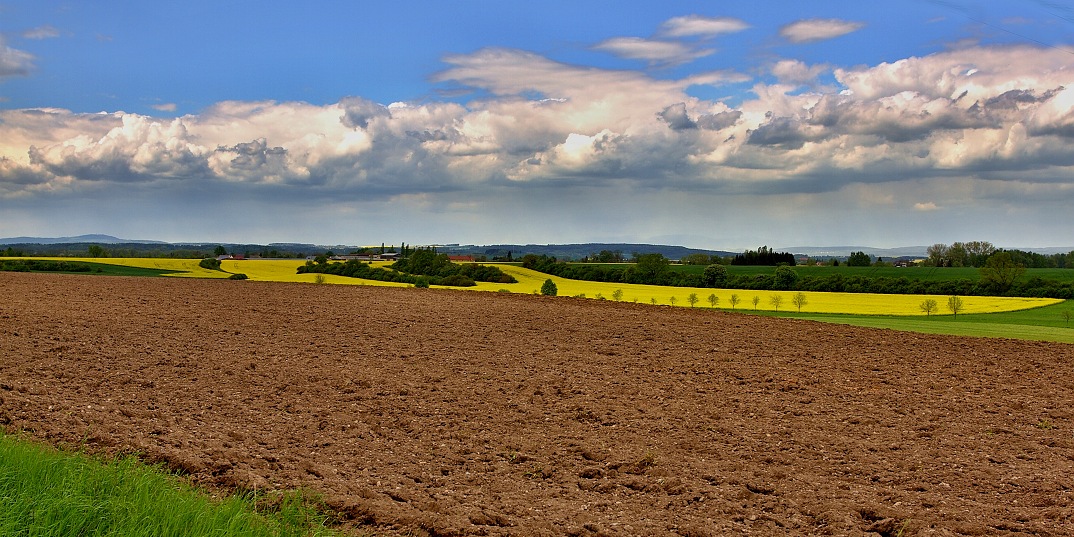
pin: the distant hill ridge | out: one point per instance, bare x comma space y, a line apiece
79, 239
562, 251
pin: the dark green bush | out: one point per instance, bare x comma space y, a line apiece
210, 263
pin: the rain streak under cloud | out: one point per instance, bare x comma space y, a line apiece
710, 129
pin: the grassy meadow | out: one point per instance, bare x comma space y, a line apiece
44, 491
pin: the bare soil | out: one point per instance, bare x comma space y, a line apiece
430, 412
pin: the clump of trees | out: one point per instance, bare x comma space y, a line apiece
209, 263
764, 256
421, 266
859, 259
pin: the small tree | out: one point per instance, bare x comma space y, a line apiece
652, 300
799, 300
776, 301
692, 299
713, 300
617, 295
756, 300
549, 288
1066, 317
954, 303
219, 251
928, 306
673, 300
734, 300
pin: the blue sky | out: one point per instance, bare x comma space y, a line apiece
709, 124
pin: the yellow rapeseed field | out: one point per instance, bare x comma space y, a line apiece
286, 270
816, 302
185, 268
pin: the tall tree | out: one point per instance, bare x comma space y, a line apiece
1000, 272
937, 255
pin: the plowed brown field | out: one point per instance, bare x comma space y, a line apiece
429, 412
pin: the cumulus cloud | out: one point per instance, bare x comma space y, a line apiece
654, 51
697, 25
980, 114
14, 62
809, 30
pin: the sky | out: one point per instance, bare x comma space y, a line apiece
718, 125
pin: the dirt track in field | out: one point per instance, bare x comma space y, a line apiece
428, 412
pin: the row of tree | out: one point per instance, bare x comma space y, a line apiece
977, 254
1000, 276
42, 265
648, 269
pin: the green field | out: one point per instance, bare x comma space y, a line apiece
1046, 323
44, 491
912, 273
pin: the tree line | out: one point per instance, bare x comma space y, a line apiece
1001, 275
421, 267
977, 253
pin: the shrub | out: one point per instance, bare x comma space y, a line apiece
549, 288
457, 280
209, 263
237, 276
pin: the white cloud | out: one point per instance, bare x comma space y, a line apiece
14, 62
952, 119
926, 206
654, 51
41, 32
797, 72
809, 30
697, 25
164, 107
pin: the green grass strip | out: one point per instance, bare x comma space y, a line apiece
47, 492
1048, 323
